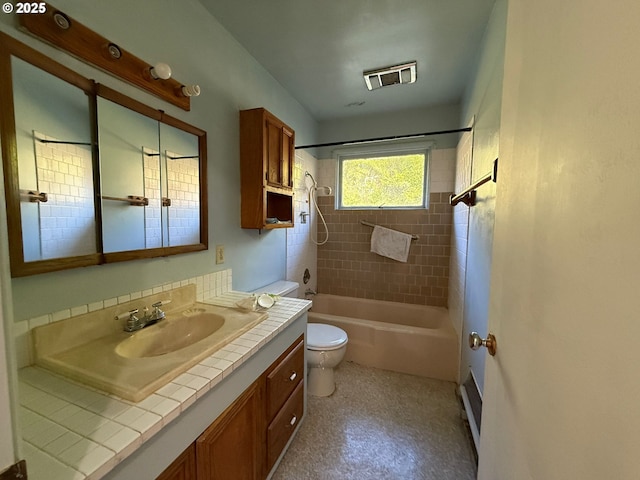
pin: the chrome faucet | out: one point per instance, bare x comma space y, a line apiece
157, 314
134, 323
308, 291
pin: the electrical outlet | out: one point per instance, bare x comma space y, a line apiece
219, 254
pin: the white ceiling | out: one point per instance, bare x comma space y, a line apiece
318, 49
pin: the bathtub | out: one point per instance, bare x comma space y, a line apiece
406, 338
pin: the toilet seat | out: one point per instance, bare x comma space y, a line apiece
325, 337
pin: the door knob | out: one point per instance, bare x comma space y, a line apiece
476, 341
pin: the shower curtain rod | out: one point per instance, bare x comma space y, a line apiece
379, 139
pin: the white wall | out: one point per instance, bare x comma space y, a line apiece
561, 395
459, 235
301, 251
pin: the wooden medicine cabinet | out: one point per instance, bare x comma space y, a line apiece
266, 170
92, 176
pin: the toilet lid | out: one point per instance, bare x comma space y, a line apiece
325, 337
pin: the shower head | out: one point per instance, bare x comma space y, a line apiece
307, 174
324, 190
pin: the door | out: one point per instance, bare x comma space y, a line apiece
561, 395
233, 446
183, 467
279, 153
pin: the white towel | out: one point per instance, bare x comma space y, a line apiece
390, 243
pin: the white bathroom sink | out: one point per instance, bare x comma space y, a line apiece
134, 365
170, 335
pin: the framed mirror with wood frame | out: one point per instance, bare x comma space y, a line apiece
92, 176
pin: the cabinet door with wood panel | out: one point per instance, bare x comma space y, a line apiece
267, 155
279, 153
183, 467
232, 447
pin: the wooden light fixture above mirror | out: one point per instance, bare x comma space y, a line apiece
62, 31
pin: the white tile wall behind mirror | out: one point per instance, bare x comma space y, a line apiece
54, 157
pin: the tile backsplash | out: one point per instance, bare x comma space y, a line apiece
207, 286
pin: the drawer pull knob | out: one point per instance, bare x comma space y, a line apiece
293, 421
293, 376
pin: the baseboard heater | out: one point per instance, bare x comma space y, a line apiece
472, 401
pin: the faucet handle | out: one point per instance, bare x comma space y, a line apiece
128, 314
133, 322
157, 313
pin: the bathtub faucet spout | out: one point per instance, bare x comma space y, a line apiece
308, 291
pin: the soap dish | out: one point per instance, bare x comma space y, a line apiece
247, 304
266, 301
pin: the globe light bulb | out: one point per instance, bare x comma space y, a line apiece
160, 71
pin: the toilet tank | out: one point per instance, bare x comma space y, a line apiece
284, 288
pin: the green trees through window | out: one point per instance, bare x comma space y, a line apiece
393, 181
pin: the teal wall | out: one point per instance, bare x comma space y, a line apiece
405, 122
184, 35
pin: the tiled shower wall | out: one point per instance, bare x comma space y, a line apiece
459, 233
183, 175
301, 252
67, 225
183, 189
153, 211
347, 267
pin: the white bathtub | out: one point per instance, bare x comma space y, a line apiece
406, 338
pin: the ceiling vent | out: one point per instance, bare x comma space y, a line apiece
383, 77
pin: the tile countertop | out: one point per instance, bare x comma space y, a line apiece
74, 432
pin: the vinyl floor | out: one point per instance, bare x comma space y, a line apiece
381, 425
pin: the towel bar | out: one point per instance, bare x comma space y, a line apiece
468, 196
372, 225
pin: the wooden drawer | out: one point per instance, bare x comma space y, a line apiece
284, 378
282, 427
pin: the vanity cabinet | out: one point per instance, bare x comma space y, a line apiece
245, 441
266, 169
183, 467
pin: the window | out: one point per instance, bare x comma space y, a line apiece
384, 177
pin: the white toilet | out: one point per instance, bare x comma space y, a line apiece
284, 288
326, 346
